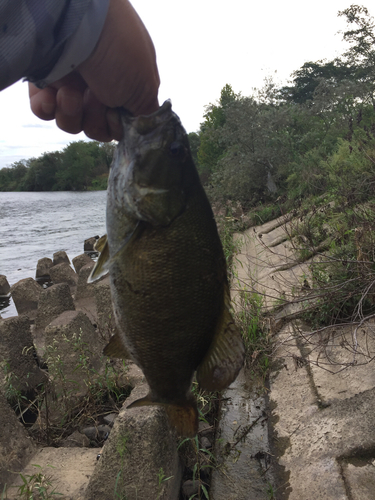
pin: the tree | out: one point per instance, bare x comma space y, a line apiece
211, 149
77, 165
41, 175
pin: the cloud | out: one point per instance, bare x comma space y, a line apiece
35, 125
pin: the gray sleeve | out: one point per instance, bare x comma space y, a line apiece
43, 40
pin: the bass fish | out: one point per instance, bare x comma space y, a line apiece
167, 270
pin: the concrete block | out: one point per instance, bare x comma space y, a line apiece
25, 294
140, 444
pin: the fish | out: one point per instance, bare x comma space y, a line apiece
167, 269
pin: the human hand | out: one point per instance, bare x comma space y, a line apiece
121, 71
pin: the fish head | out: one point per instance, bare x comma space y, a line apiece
153, 168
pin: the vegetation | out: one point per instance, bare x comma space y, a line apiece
281, 142
79, 166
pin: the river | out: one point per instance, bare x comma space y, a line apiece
36, 225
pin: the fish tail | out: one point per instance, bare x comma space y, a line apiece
183, 416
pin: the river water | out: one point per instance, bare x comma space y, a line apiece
36, 225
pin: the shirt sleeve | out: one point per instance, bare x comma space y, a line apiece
43, 40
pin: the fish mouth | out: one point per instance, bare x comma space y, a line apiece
144, 124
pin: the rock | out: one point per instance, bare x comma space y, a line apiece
63, 273
110, 419
80, 261
43, 267
141, 443
53, 301
16, 447
59, 257
76, 440
88, 245
18, 367
205, 429
98, 433
190, 488
105, 315
67, 470
73, 352
25, 294
4, 286
132, 377
85, 289
206, 443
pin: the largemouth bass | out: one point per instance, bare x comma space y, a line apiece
167, 269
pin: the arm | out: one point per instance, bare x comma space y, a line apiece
120, 71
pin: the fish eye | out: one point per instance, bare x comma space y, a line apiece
177, 149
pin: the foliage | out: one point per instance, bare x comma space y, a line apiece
37, 486
252, 324
79, 166
211, 148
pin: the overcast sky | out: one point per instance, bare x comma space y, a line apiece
201, 45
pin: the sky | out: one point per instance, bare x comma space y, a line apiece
201, 46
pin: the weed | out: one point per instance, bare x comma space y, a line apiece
37, 486
201, 461
161, 479
252, 324
122, 450
11, 383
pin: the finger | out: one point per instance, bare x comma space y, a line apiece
69, 111
94, 122
43, 102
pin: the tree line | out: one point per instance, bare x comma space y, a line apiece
78, 167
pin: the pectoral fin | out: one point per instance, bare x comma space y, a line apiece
225, 356
116, 349
102, 264
100, 244
104, 261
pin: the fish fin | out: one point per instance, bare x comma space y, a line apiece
225, 356
101, 242
183, 417
116, 349
104, 261
102, 264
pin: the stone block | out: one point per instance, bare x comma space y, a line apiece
85, 289
4, 286
76, 440
25, 294
88, 245
73, 352
59, 257
16, 447
63, 273
18, 364
141, 443
43, 267
105, 315
80, 261
67, 469
53, 301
